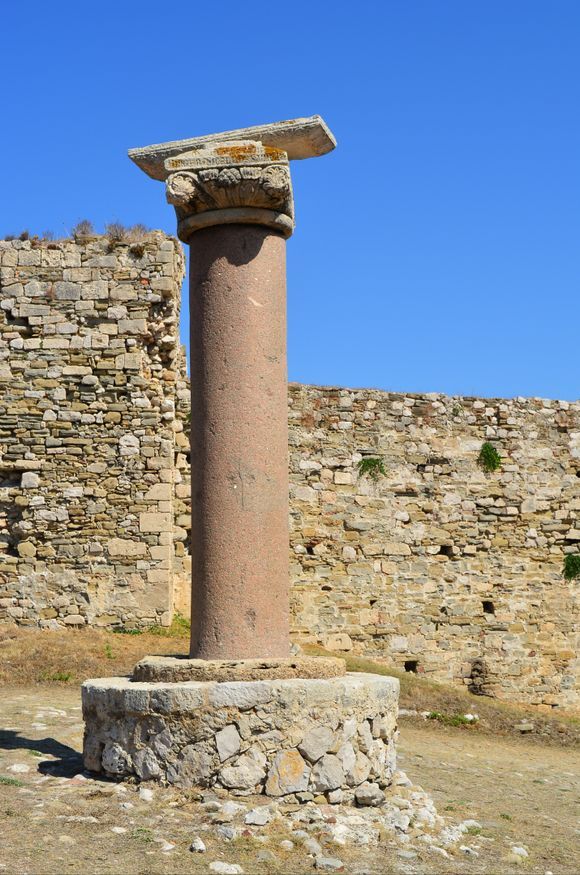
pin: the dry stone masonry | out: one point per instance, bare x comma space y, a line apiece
90, 372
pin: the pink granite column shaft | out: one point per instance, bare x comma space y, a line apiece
239, 443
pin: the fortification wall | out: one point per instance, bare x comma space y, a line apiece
437, 565
90, 369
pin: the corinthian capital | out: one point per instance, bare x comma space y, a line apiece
231, 182
239, 176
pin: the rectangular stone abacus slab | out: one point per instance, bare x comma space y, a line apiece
299, 138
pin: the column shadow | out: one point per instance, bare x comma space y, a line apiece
69, 762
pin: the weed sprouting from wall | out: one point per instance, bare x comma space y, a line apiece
132, 236
489, 459
84, 228
375, 468
571, 566
117, 233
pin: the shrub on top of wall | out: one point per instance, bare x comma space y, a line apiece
489, 459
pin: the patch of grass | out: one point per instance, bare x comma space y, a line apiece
473, 831
109, 652
505, 816
33, 656
450, 719
420, 693
143, 834
10, 782
35, 753
123, 631
375, 468
180, 628
571, 566
489, 459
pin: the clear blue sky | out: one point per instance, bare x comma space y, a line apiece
437, 249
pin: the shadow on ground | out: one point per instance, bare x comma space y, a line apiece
69, 761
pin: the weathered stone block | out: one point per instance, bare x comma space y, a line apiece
155, 522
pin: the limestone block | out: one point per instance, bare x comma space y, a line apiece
337, 641
146, 765
155, 522
246, 774
241, 695
227, 742
193, 767
369, 794
30, 480
327, 774
67, 291
159, 492
74, 620
289, 774
121, 547
316, 743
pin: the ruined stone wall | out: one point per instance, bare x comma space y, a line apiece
90, 366
438, 566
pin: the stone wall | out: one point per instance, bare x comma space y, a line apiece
90, 367
436, 565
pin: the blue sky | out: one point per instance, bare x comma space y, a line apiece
437, 249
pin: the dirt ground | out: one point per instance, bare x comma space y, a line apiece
55, 819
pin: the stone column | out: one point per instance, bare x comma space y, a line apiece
233, 201
233, 198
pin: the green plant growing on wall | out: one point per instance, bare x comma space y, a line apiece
571, 566
489, 459
375, 468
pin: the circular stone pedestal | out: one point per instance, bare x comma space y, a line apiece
183, 668
294, 738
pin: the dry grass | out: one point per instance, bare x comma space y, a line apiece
68, 657
133, 235
30, 656
495, 716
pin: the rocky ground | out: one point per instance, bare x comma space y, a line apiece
502, 805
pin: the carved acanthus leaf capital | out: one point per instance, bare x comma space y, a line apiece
240, 182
